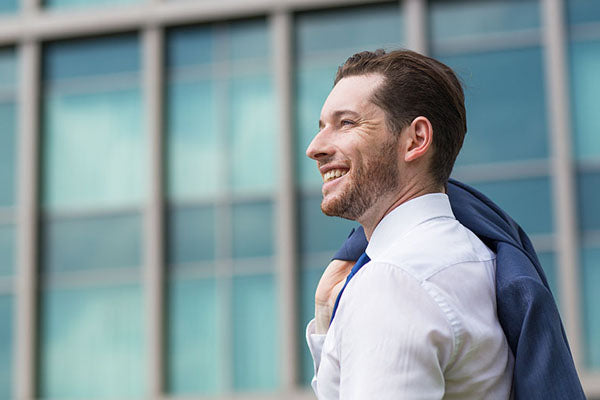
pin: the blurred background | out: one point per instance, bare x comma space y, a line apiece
160, 230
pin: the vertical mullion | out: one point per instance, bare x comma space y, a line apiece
153, 269
416, 25
27, 218
563, 180
281, 25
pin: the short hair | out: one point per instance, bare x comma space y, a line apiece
416, 85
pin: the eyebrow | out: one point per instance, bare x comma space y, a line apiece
339, 113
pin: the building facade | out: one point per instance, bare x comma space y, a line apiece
160, 230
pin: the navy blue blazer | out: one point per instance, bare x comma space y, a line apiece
527, 312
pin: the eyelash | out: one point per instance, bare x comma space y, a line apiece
344, 121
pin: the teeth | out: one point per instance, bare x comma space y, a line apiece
333, 174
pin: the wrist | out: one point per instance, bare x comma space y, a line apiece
322, 318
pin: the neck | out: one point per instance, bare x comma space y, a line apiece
373, 216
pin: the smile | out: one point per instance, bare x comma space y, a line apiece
334, 174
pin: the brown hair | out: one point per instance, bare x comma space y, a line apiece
416, 85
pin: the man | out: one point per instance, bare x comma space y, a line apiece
417, 317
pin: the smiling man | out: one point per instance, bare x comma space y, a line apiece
416, 317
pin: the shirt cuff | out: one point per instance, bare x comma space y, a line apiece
315, 344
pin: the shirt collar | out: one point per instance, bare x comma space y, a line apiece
404, 218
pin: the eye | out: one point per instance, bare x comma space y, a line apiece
347, 122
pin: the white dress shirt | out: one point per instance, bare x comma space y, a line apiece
419, 320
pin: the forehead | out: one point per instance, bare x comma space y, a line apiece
352, 93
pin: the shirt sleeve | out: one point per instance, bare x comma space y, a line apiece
315, 345
394, 339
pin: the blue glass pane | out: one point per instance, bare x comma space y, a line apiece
7, 250
191, 234
585, 82
189, 46
7, 153
91, 242
548, 261
313, 85
449, 19
92, 343
88, 57
8, 67
79, 4
255, 334
94, 150
527, 201
253, 229
249, 39
590, 280
193, 147
505, 100
8, 6
6, 346
348, 31
589, 199
253, 138
583, 11
194, 365
319, 232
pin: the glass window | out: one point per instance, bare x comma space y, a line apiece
527, 201
222, 170
255, 340
93, 155
579, 11
7, 249
194, 340
8, 6
92, 343
455, 19
7, 150
505, 100
590, 279
6, 346
589, 198
84, 4
585, 84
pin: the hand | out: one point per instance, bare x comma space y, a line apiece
329, 287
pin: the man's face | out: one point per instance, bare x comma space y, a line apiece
355, 153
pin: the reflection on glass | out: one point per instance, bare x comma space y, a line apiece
252, 142
7, 249
249, 40
6, 346
497, 118
193, 338
94, 242
585, 83
253, 230
527, 201
92, 343
453, 19
255, 334
191, 234
8, 68
7, 152
590, 280
579, 11
589, 198
193, 150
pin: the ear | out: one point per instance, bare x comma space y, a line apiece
419, 139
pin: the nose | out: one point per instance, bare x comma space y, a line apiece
320, 146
